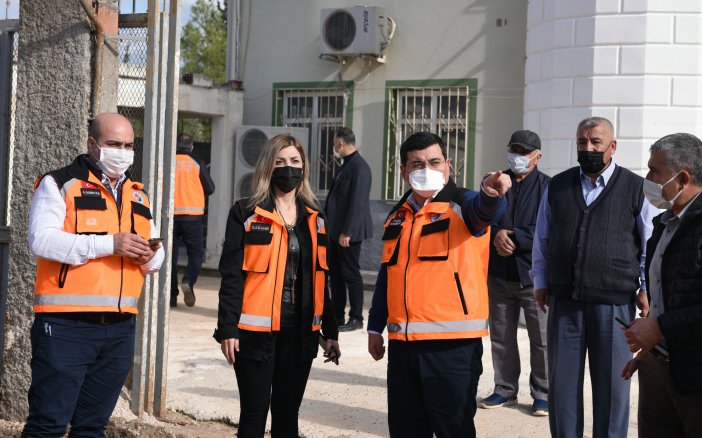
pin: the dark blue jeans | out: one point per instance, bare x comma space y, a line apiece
190, 232
78, 369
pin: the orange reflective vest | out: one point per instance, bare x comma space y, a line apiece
106, 284
189, 194
437, 273
265, 255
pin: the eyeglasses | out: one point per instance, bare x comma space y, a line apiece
432, 164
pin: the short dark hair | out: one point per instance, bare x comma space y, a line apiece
345, 134
682, 152
419, 141
184, 141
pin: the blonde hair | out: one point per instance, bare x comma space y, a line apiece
264, 172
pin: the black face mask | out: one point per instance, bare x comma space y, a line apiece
287, 178
592, 162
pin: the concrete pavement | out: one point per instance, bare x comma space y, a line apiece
348, 400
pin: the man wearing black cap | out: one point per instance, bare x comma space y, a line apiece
509, 285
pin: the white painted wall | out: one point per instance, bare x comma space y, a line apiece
447, 39
636, 62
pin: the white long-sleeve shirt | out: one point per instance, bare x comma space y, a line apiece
48, 240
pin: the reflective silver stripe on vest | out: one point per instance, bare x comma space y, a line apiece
255, 320
84, 300
189, 210
67, 186
249, 220
317, 320
439, 327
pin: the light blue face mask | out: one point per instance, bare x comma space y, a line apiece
654, 193
518, 163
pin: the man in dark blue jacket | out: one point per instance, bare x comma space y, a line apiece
670, 389
509, 285
348, 224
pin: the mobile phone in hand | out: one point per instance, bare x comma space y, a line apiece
155, 240
658, 350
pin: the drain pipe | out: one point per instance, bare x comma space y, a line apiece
97, 67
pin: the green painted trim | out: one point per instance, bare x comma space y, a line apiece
471, 83
472, 117
324, 85
383, 189
424, 83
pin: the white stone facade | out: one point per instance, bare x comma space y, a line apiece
636, 62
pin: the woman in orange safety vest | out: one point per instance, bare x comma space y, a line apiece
273, 300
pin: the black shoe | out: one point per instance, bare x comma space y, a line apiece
353, 324
174, 301
188, 294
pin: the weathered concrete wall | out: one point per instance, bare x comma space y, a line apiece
53, 104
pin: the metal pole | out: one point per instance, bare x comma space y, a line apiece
141, 383
169, 147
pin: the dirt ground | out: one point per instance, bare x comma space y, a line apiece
348, 400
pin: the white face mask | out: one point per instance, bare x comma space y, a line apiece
654, 193
518, 163
426, 181
114, 162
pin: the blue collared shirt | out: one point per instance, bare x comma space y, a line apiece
644, 224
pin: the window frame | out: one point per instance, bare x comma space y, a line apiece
316, 90
392, 92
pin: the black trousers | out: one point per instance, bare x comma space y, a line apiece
345, 271
432, 387
191, 233
78, 369
278, 382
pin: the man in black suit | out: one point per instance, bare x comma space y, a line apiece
348, 224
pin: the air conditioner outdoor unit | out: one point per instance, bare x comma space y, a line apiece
355, 31
248, 143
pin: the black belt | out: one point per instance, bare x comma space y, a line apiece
103, 318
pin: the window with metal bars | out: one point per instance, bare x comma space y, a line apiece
444, 107
321, 108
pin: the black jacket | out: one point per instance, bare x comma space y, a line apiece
523, 201
347, 207
259, 345
681, 279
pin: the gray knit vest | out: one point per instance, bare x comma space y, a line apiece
594, 252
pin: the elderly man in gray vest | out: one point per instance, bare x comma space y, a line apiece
588, 261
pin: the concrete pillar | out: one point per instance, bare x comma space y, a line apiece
108, 14
53, 103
